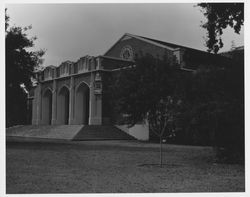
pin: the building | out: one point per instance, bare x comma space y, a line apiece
74, 92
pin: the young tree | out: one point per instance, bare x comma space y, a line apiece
20, 65
161, 119
219, 17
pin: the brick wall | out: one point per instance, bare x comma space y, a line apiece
139, 48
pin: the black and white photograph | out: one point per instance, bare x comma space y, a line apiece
125, 98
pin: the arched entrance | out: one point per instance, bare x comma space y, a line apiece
47, 107
63, 106
82, 104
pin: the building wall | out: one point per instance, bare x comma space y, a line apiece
139, 131
64, 91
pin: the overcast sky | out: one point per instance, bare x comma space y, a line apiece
70, 31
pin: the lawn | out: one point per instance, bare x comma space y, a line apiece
116, 166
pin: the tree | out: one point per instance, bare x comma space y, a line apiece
146, 91
215, 100
21, 62
219, 17
162, 119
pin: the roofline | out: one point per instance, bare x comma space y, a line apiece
113, 45
233, 50
142, 39
114, 58
151, 42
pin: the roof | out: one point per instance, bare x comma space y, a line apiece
235, 53
168, 44
240, 48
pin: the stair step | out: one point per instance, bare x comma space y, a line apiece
93, 132
68, 132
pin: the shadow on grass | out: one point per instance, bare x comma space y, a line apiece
154, 165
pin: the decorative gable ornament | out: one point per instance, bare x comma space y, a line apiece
127, 53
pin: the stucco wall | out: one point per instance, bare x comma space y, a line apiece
139, 131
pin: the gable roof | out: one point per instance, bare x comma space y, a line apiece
174, 46
151, 41
142, 39
159, 43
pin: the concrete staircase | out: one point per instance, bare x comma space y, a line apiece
61, 132
66, 132
96, 132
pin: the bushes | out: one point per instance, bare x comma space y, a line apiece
215, 111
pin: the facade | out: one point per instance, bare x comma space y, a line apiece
74, 92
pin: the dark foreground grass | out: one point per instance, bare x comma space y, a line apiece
116, 166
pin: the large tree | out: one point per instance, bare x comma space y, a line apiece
21, 62
219, 17
147, 92
215, 109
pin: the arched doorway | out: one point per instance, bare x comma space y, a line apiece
82, 104
63, 106
47, 107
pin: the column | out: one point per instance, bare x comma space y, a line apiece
34, 107
71, 101
54, 103
98, 117
37, 120
95, 99
91, 100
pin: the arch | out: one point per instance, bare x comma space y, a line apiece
80, 83
82, 104
63, 86
46, 90
47, 106
63, 105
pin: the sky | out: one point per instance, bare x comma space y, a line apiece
71, 31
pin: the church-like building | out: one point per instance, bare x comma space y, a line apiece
74, 92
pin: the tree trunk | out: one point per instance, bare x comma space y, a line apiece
160, 152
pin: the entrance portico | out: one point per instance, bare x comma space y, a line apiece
69, 94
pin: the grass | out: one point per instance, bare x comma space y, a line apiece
116, 166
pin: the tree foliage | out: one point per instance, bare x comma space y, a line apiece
140, 88
21, 62
219, 17
215, 100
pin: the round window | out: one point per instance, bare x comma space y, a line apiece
127, 53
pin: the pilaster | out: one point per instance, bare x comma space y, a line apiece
38, 105
96, 99
54, 104
71, 101
91, 100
